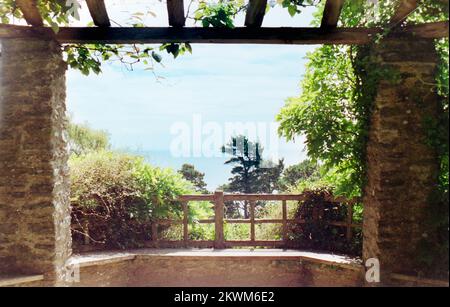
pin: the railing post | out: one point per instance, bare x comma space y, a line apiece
86, 232
219, 239
185, 223
155, 234
285, 230
252, 221
349, 233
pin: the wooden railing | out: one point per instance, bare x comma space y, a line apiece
219, 199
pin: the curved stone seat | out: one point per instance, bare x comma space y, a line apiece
220, 268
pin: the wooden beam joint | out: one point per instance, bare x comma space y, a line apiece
30, 12
255, 13
404, 9
175, 10
98, 12
331, 14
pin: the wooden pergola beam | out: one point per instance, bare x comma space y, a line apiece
98, 12
243, 35
30, 12
175, 10
404, 8
331, 14
255, 13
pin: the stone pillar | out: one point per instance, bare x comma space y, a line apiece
402, 168
35, 233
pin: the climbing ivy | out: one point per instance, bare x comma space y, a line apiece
333, 109
54, 12
335, 105
88, 58
218, 15
434, 246
295, 6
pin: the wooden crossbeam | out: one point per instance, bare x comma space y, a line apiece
244, 35
404, 8
331, 14
255, 13
98, 12
30, 12
175, 9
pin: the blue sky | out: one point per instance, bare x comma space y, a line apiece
220, 83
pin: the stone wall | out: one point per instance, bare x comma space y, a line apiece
34, 190
169, 271
402, 169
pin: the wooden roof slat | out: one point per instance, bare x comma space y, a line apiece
331, 14
242, 35
30, 12
98, 12
175, 9
404, 8
255, 13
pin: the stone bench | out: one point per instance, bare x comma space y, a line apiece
221, 268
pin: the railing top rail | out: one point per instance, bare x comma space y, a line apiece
199, 197
231, 197
256, 197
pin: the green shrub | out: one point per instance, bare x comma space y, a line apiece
315, 232
116, 196
83, 139
198, 210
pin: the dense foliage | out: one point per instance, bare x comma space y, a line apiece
53, 12
316, 233
334, 108
197, 178
218, 15
83, 139
326, 113
337, 93
116, 196
301, 172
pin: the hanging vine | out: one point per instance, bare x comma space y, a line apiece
88, 58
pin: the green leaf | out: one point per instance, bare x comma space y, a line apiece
156, 57
205, 23
188, 47
292, 9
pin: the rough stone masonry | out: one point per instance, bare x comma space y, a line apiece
34, 189
402, 168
